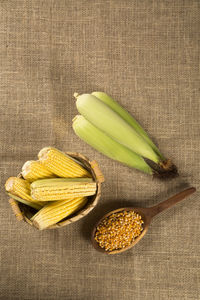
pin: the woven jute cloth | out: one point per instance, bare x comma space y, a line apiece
144, 53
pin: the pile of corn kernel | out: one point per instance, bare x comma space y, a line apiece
118, 230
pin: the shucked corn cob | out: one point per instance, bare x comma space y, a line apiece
54, 212
59, 189
106, 145
61, 164
21, 188
33, 170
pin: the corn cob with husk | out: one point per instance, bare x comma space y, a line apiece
108, 121
19, 189
33, 170
113, 121
126, 117
107, 146
61, 164
54, 212
62, 188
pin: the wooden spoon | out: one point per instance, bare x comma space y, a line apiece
146, 213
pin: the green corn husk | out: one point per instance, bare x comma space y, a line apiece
107, 120
107, 146
114, 122
31, 204
127, 117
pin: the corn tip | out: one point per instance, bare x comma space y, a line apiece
9, 184
76, 95
44, 152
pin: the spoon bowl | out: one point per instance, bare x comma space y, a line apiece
146, 214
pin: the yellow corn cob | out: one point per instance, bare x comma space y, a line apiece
33, 170
60, 189
21, 188
61, 164
53, 212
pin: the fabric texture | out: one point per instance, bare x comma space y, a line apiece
145, 54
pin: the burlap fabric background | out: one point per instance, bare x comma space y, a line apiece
144, 54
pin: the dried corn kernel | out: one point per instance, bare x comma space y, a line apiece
118, 230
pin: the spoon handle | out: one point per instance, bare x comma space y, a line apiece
154, 210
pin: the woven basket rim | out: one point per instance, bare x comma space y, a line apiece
93, 168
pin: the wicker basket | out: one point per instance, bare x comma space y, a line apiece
24, 212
